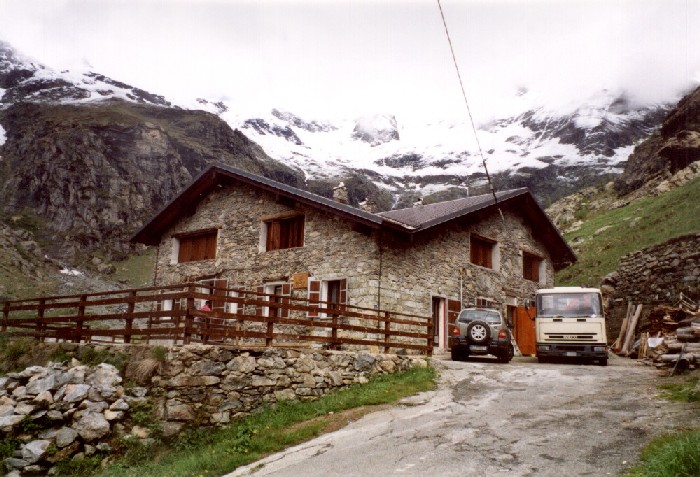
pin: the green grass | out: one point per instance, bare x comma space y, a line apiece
642, 223
683, 392
677, 455
137, 270
206, 452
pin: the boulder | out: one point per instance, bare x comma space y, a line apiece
75, 392
35, 450
92, 426
65, 436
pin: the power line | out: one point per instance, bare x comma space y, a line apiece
466, 102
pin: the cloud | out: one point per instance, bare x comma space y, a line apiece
349, 58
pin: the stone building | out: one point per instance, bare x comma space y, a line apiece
234, 228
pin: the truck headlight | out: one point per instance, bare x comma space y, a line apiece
599, 348
543, 347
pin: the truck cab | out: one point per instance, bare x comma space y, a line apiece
570, 323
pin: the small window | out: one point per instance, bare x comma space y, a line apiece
196, 246
284, 233
481, 251
531, 267
327, 294
277, 295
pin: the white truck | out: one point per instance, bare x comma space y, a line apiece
569, 323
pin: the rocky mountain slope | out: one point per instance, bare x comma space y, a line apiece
84, 162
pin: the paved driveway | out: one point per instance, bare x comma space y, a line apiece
490, 419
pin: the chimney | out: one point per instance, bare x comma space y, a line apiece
340, 193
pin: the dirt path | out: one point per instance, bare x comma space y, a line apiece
487, 419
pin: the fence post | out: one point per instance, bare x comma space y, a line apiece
387, 331
5, 316
130, 316
40, 325
431, 338
81, 316
189, 316
334, 330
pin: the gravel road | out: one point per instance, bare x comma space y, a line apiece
490, 419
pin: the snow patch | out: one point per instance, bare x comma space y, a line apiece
3, 135
71, 271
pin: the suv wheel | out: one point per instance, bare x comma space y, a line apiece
458, 355
507, 355
478, 332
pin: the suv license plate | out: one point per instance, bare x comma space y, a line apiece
571, 353
478, 348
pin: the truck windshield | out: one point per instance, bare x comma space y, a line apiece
568, 304
490, 316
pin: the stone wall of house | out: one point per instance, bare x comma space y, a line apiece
439, 264
68, 410
382, 272
654, 275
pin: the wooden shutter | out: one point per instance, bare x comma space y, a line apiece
343, 293
185, 252
273, 236
453, 309
314, 296
286, 294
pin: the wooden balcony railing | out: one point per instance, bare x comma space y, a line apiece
246, 318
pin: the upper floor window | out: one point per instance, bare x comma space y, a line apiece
193, 246
481, 251
531, 267
284, 233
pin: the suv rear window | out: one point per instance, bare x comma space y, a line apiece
488, 316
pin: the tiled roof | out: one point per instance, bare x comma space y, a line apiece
424, 216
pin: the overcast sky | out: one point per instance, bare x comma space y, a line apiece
341, 58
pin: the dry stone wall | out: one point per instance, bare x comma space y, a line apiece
69, 410
654, 275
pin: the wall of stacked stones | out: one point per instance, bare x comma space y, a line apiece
408, 274
655, 275
69, 410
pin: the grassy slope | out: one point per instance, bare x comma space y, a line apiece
638, 225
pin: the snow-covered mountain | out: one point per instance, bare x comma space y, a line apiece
553, 151
598, 134
22, 79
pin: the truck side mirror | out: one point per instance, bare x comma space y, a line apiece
527, 304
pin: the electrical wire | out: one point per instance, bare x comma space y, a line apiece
466, 102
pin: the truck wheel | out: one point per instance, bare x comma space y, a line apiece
603, 362
478, 332
543, 359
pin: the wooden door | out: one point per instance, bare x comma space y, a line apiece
524, 330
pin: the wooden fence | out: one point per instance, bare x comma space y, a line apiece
168, 315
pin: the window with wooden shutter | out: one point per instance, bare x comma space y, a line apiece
277, 295
284, 233
327, 294
336, 293
481, 251
531, 267
196, 246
